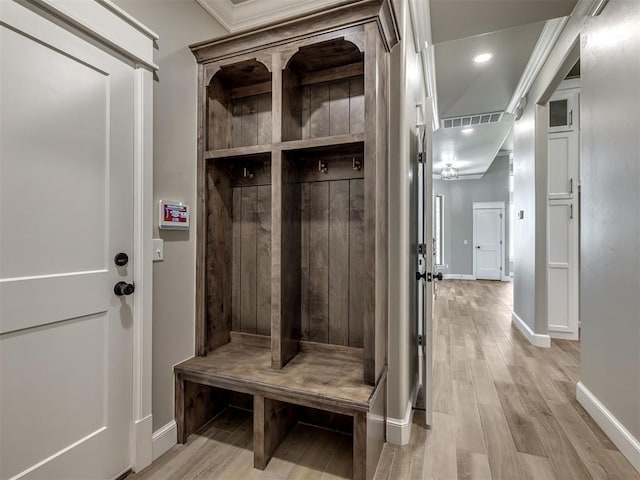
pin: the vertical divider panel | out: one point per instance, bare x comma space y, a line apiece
381, 212
370, 183
285, 261
263, 263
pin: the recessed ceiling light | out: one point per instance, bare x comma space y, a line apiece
467, 131
483, 57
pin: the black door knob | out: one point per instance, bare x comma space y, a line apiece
123, 288
421, 276
437, 276
478, 246
121, 259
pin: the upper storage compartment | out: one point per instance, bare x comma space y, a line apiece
239, 106
323, 91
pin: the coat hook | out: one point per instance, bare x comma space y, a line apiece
357, 164
246, 173
322, 167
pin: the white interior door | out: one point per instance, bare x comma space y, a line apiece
487, 241
66, 209
426, 267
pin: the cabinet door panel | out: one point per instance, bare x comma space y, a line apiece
563, 165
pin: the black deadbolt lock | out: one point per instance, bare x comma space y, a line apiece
123, 288
121, 259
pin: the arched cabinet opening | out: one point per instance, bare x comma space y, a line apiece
239, 106
323, 91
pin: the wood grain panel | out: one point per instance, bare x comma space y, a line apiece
318, 262
356, 262
264, 119
236, 270
218, 318
356, 104
292, 106
218, 116
339, 107
304, 260
272, 422
319, 100
263, 261
339, 262
249, 107
236, 123
248, 259
370, 216
286, 259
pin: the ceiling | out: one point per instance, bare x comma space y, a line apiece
473, 153
237, 15
466, 87
460, 30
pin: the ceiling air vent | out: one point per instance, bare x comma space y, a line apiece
482, 118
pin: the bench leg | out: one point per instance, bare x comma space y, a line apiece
180, 411
272, 422
360, 446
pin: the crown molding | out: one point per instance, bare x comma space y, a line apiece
548, 39
254, 13
421, 22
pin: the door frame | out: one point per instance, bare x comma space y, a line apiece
124, 37
493, 206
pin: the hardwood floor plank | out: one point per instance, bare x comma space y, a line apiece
440, 445
469, 435
523, 431
473, 466
537, 468
500, 447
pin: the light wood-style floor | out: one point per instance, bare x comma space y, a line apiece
503, 410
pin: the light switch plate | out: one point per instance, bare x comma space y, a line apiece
158, 250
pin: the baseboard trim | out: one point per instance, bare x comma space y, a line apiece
506, 278
535, 339
143, 443
455, 276
399, 429
564, 335
164, 438
623, 439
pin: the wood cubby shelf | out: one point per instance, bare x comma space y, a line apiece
291, 270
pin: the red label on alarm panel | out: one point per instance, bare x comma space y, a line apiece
175, 214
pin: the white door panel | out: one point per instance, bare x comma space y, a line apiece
563, 165
66, 209
562, 270
487, 233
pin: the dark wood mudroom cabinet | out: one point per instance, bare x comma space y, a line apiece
291, 287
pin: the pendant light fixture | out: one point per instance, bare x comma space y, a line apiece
449, 172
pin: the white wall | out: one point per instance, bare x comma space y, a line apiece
407, 91
459, 196
178, 24
610, 171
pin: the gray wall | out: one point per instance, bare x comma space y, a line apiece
459, 196
406, 91
610, 170
530, 178
178, 23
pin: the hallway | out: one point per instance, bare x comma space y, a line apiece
503, 410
